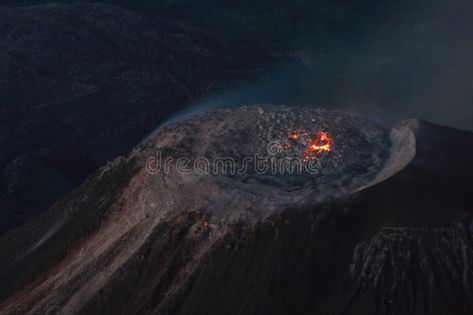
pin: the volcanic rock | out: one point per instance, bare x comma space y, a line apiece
384, 230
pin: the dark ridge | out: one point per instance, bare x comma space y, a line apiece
82, 84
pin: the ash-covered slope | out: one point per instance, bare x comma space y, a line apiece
81, 84
362, 234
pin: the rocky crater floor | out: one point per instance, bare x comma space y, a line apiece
376, 222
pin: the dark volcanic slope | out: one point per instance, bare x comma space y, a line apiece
81, 84
395, 239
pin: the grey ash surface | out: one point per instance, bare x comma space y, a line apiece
251, 138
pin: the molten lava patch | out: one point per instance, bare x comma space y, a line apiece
315, 142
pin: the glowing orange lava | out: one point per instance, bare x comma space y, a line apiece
318, 142
321, 143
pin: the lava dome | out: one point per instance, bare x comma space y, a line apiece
277, 154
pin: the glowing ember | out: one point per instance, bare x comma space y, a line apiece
321, 143
317, 142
